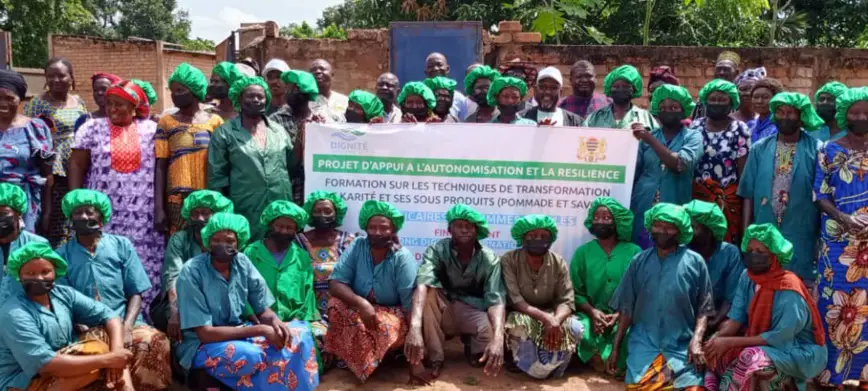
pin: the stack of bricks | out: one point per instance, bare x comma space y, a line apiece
510, 32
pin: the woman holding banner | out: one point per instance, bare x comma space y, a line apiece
667, 155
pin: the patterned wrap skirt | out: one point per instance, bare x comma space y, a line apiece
525, 340
739, 374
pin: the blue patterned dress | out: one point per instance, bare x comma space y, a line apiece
22, 151
843, 264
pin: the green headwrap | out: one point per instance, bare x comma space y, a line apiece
465, 212
227, 71
148, 89
13, 197
192, 78
531, 222
440, 83
305, 82
673, 214
371, 105
709, 215
623, 217
810, 119
834, 88
627, 73
31, 251
676, 93
373, 208
418, 88
482, 72
502, 82
844, 102
283, 208
86, 197
722, 86
241, 84
226, 222
769, 236
336, 200
215, 201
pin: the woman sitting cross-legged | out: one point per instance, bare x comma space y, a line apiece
784, 344
37, 349
213, 290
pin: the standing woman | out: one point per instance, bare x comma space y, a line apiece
222, 77
26, 156
623, 85
181, 147
417, 102
763, 92
825, 100
100, 83
248, 158
840, 190
506, 93
745, 83
726, 142
778, 181
59, 109
667, 157
115, 155
325, 243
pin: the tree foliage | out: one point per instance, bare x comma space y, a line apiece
305, 31
31, 21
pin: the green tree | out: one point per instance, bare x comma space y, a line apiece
153, 19
199, 45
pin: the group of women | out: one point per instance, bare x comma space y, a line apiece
185, 221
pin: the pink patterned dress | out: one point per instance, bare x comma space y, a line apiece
132, 194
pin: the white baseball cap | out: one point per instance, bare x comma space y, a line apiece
275, 64
550, 73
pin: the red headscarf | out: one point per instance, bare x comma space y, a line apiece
126, 151
663, 73
113, 79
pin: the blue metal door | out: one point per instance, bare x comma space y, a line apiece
412, 42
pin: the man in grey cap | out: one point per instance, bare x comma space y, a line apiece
549, 84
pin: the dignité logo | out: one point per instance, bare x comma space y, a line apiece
591, 149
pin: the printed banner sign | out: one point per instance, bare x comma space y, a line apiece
503, 171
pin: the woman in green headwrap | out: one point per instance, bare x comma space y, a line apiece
506, 93
371, 288
841, 190
13, 233
596, 270
181, 146
364, 107
417, 102
39, 349
222, 76
725, 142
667, 157
325, 243
542, 332
214, 289
476, 85
249, 157
723, 259
665, 341
773, 339
444, 92
778, 182
824, 101
184, 245
623, 85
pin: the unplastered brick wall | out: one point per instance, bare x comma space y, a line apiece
357, 61
129, 59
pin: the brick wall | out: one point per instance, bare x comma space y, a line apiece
357, 61
146, 60
365, 55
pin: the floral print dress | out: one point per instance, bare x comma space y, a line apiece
716, 175
843, 265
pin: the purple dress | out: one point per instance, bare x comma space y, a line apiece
132, 194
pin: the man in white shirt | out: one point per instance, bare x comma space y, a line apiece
336, 102
436, 65
387, 91
548, 89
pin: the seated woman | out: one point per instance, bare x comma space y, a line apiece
13, 206
372, 289
722, 258
37, 350
283, 264
184, 244
213, 289
784, 342
595, 271
542, 332
106, 268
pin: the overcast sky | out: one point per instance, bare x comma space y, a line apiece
214, 19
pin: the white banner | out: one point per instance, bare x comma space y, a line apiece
503, 171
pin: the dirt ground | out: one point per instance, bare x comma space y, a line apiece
459, 376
